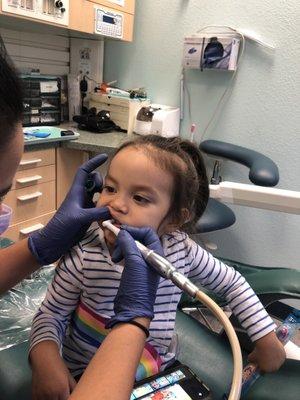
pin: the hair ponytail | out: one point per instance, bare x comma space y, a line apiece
202, 195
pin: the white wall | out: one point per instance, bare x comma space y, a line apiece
262, 112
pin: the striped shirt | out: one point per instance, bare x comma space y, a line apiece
81, 296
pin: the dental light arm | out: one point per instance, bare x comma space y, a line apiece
167, 270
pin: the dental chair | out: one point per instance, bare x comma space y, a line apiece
208, 353
205, 352
270, 284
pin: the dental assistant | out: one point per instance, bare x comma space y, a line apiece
73, 217
108, 375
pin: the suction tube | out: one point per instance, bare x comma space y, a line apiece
167, 270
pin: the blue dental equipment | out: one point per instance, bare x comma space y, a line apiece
37, 134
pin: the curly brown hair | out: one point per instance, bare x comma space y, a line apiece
11, 98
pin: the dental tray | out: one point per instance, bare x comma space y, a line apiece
45, 134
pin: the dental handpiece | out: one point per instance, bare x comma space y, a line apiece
160, 264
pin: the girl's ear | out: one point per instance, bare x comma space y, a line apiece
177, 224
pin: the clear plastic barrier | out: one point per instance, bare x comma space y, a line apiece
19, 305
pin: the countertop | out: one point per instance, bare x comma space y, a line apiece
87, 141
94, 142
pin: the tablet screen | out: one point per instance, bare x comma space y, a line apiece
172, 386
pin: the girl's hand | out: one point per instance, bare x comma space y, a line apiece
268, 354
52, 383
51, 379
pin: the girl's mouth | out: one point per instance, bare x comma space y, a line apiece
112, 223
116, 223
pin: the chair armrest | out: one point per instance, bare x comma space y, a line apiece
263, 171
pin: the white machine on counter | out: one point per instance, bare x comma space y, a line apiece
159, 120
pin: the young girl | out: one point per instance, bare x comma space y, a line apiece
160, 183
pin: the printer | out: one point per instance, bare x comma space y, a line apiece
158, 119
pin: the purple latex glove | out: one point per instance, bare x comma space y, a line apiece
73, 217
137, 291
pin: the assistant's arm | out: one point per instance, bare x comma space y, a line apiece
111, 372
16, 262
62, 232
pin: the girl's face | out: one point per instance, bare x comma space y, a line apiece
137, 192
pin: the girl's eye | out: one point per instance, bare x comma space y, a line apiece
109, 189
140, 199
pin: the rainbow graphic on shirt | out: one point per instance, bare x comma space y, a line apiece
91, 327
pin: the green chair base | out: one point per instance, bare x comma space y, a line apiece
15, 373
209, 356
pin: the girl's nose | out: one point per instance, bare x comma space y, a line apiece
119, 204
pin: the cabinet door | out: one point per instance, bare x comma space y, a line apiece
31, 202
67, 163
82, 18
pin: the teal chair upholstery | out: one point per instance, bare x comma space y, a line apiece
206, 353
15, 373
209, 356
270, 284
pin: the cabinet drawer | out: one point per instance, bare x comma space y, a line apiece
31, 202
37, 158
34, 176
119, 116
122, 111
22, 230
112, 100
